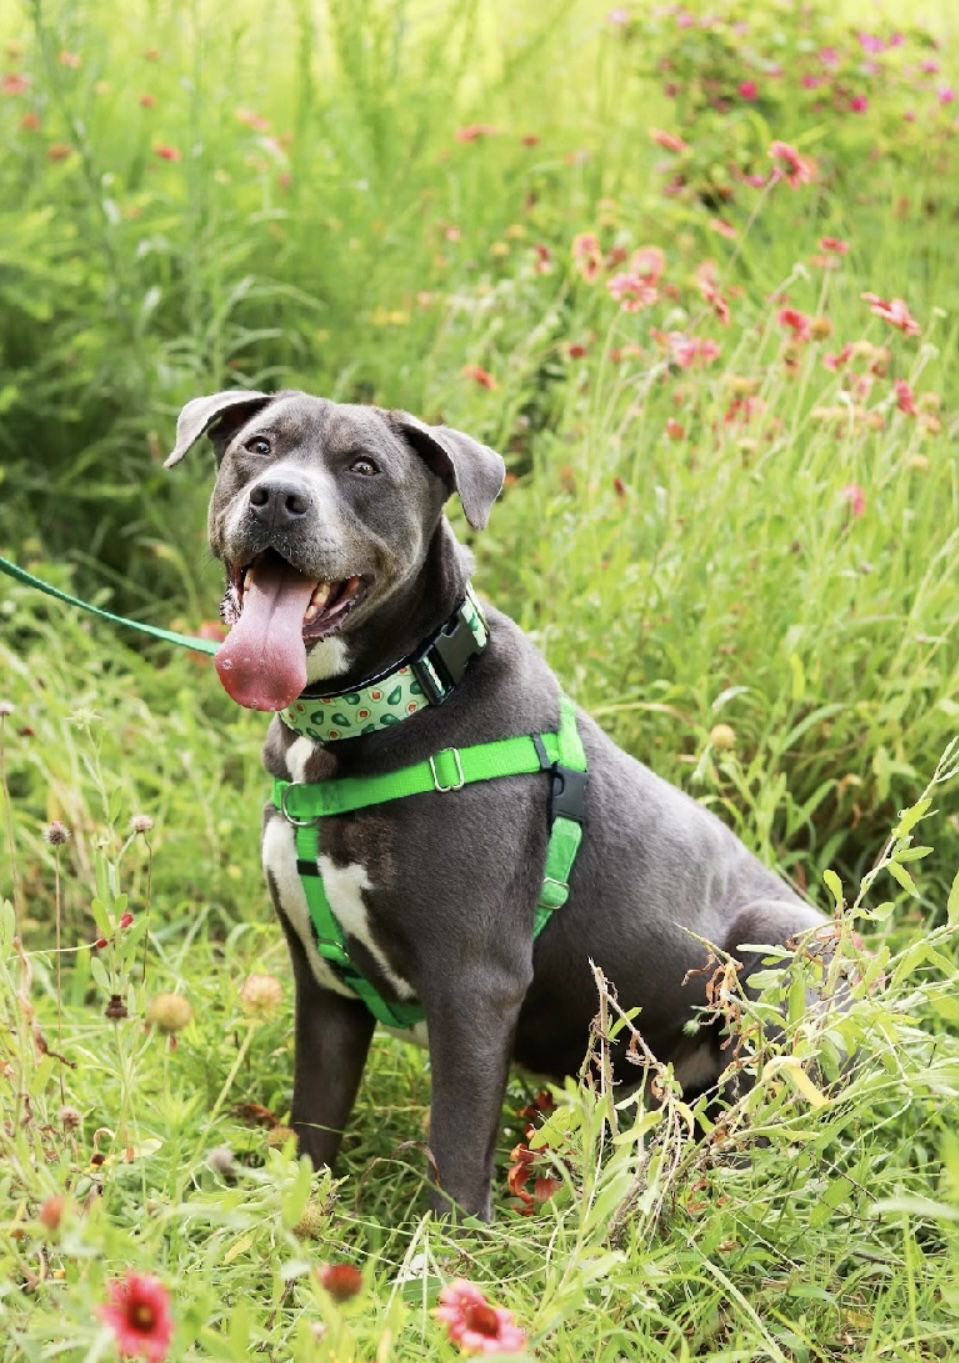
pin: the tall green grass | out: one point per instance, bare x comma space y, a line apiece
744, 568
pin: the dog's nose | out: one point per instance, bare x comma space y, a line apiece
280, 503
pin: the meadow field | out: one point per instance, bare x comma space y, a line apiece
692, 270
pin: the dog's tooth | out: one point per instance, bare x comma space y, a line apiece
320, 595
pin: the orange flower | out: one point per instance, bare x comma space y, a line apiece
481, 376
167, 153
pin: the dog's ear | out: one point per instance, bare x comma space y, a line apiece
473, 471
220, 415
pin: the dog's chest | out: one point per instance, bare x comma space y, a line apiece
349, 891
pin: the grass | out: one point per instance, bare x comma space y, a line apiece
745, 568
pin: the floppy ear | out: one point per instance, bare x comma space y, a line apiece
223, 412
473, 471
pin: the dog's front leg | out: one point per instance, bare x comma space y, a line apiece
470, 1041
332, 1040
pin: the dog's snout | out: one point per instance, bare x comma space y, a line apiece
280, 503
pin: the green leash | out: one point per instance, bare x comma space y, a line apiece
169, 636
305, 806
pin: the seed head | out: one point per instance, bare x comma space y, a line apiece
56, 833
260, 995
312, 1219
51, 1212
722, 737
116, 1009
220, 1160
70, 1118
141, 823
6, 708
169, 1013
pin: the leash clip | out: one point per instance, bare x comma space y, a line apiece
460, 779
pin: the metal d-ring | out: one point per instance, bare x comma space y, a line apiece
297, 823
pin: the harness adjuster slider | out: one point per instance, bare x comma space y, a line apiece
460, 780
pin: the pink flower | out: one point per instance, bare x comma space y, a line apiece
929, 67
668, 141
722, 228
649, 263
14, 84
587, 255
748, 89
474, 131
856, 498
481, 376
811, 82
252, 120
835, 362
686, 350
138, 1312
631, 291
70, 59
798, 323
858, 104
896, 313
791, 166
905, 398
708, 287
870, 43
834, 244
947, 95
474, 1325
167, 153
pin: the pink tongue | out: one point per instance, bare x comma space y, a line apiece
262, 664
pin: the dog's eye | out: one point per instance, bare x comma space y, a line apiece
364, 466
258, 445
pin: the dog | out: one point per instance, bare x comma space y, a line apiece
341, 569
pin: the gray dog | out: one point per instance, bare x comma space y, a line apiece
449, 842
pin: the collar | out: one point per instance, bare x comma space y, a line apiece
425, 677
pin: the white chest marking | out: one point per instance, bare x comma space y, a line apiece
279, 858
344, 886
297, 755
328, 658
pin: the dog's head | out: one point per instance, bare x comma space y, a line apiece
321, 512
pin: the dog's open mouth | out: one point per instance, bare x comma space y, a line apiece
274, 611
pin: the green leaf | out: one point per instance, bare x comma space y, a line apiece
900, 874
910, 817
834, 885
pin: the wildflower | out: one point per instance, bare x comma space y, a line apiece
856, 498
220, 1160
674, 429
14, 84
51, 1212
30, 123
708, 287
56, 833
529, 140
126, 921
58, 151
686, 350
252, 120
169, 1013
481, 376
473, 1324
723, 737
834, 244
648, 262
631, 291
576, 351
896, 313
522, 1159
748, 89
587, 255
141, 823
167, 153
947, 95
260, 995
474, 131
147, 101
905, 398
70, 1118
342, 1281
791, 166
70, 59
722, 228
858, 104
543, 263
6, 708
798, 323
668, 141
138, 1312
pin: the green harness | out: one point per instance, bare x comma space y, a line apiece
305, 806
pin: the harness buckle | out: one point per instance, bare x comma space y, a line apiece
460, 779
567, 796
297, 823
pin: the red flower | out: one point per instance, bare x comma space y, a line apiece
342, 1281
748, 89
896, 313
905, 398
167, 153
126, 921
481, 376
474, 1325
834, 362
834, 244
858, 104
797, 322
474, 131
138, 1312
791, 166
668, 141
856, 498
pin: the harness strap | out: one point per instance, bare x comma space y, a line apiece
560, 754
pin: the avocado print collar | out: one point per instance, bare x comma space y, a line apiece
424, 678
